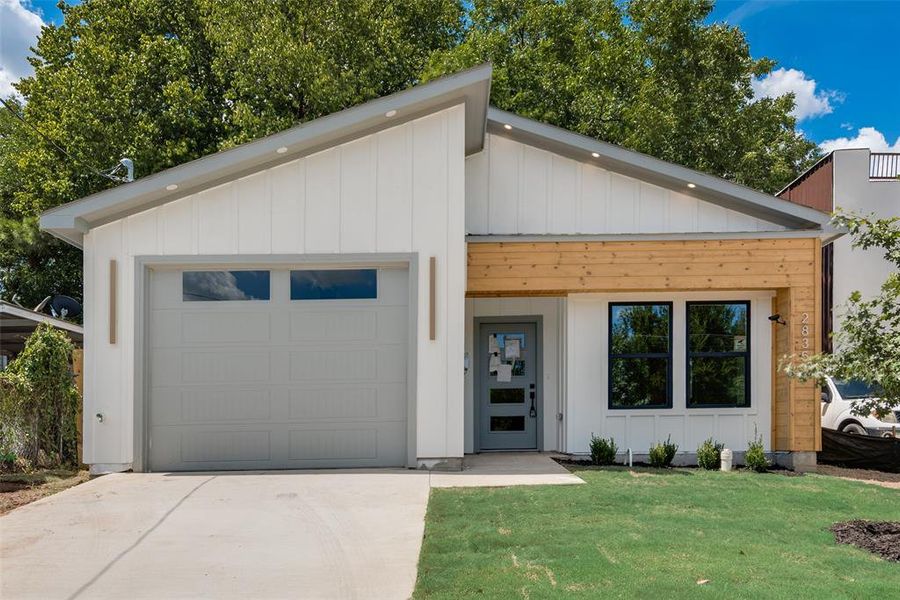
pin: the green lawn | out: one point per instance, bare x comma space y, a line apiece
655, 534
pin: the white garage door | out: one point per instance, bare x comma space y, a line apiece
277, 368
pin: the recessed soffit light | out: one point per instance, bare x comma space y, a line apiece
171, 187
390, 113
692, 185
281, 150
507, 126
595, 155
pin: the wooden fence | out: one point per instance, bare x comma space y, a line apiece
78, 371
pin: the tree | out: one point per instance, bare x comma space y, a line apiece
39, 400
165, 82
647, 74
867, 346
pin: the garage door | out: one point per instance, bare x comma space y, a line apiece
277, 368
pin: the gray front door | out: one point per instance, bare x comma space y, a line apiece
508, 389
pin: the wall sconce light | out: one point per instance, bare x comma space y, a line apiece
776, 318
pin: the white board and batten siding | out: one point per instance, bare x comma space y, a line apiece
396, 191
587, 352
513, 188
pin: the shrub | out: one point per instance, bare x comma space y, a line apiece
603, 451
709, 455
39, 401
662, 455
755, 457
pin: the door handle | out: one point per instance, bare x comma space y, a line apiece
532, 412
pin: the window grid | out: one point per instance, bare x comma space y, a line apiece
745, 354
612, 356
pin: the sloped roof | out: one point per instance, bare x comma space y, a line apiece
472, 87
17, 323
653, 170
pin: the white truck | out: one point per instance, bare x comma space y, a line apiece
838, 400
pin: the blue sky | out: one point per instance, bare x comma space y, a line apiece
840, 57
848, 48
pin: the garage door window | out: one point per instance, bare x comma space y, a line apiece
335, 284
206, 286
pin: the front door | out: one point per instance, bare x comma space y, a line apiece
508, 402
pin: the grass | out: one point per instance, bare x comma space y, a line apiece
656, 534
18, 489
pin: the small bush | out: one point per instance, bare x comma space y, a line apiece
709, 455
662, 455
603, 451
39, 401
755, 457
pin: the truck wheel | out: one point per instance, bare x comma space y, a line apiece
854, 428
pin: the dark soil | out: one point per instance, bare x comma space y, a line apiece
878, 537
587, 464
18, 489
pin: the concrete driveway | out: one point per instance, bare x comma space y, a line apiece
302, 534
249, 535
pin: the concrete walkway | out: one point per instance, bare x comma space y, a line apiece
496, 469
306, 534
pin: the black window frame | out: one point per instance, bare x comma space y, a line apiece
667, 355
746, 354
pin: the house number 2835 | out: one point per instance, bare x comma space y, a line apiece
804, 335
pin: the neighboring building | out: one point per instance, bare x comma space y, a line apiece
860, 181
424, 276
17, 323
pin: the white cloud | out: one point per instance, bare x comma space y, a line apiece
19, 28
866, 137
808, 102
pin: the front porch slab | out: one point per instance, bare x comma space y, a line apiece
498, 469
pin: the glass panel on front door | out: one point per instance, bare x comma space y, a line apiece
508, 423
507, 395
507, 386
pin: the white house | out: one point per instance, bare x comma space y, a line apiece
424, 276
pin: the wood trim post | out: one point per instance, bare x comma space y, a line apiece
432, 292
112, 301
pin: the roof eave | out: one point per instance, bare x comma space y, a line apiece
36, 317
471, 88
653, 170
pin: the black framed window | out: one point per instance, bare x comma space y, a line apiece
718, 354
334, 284
206, 286
640, 355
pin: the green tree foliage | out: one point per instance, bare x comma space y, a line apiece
39, 400
164, 82
867, 345
647, 74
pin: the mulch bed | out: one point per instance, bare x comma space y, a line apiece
878, 537
584, 463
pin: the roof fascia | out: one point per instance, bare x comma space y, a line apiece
653, 170
71, 221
